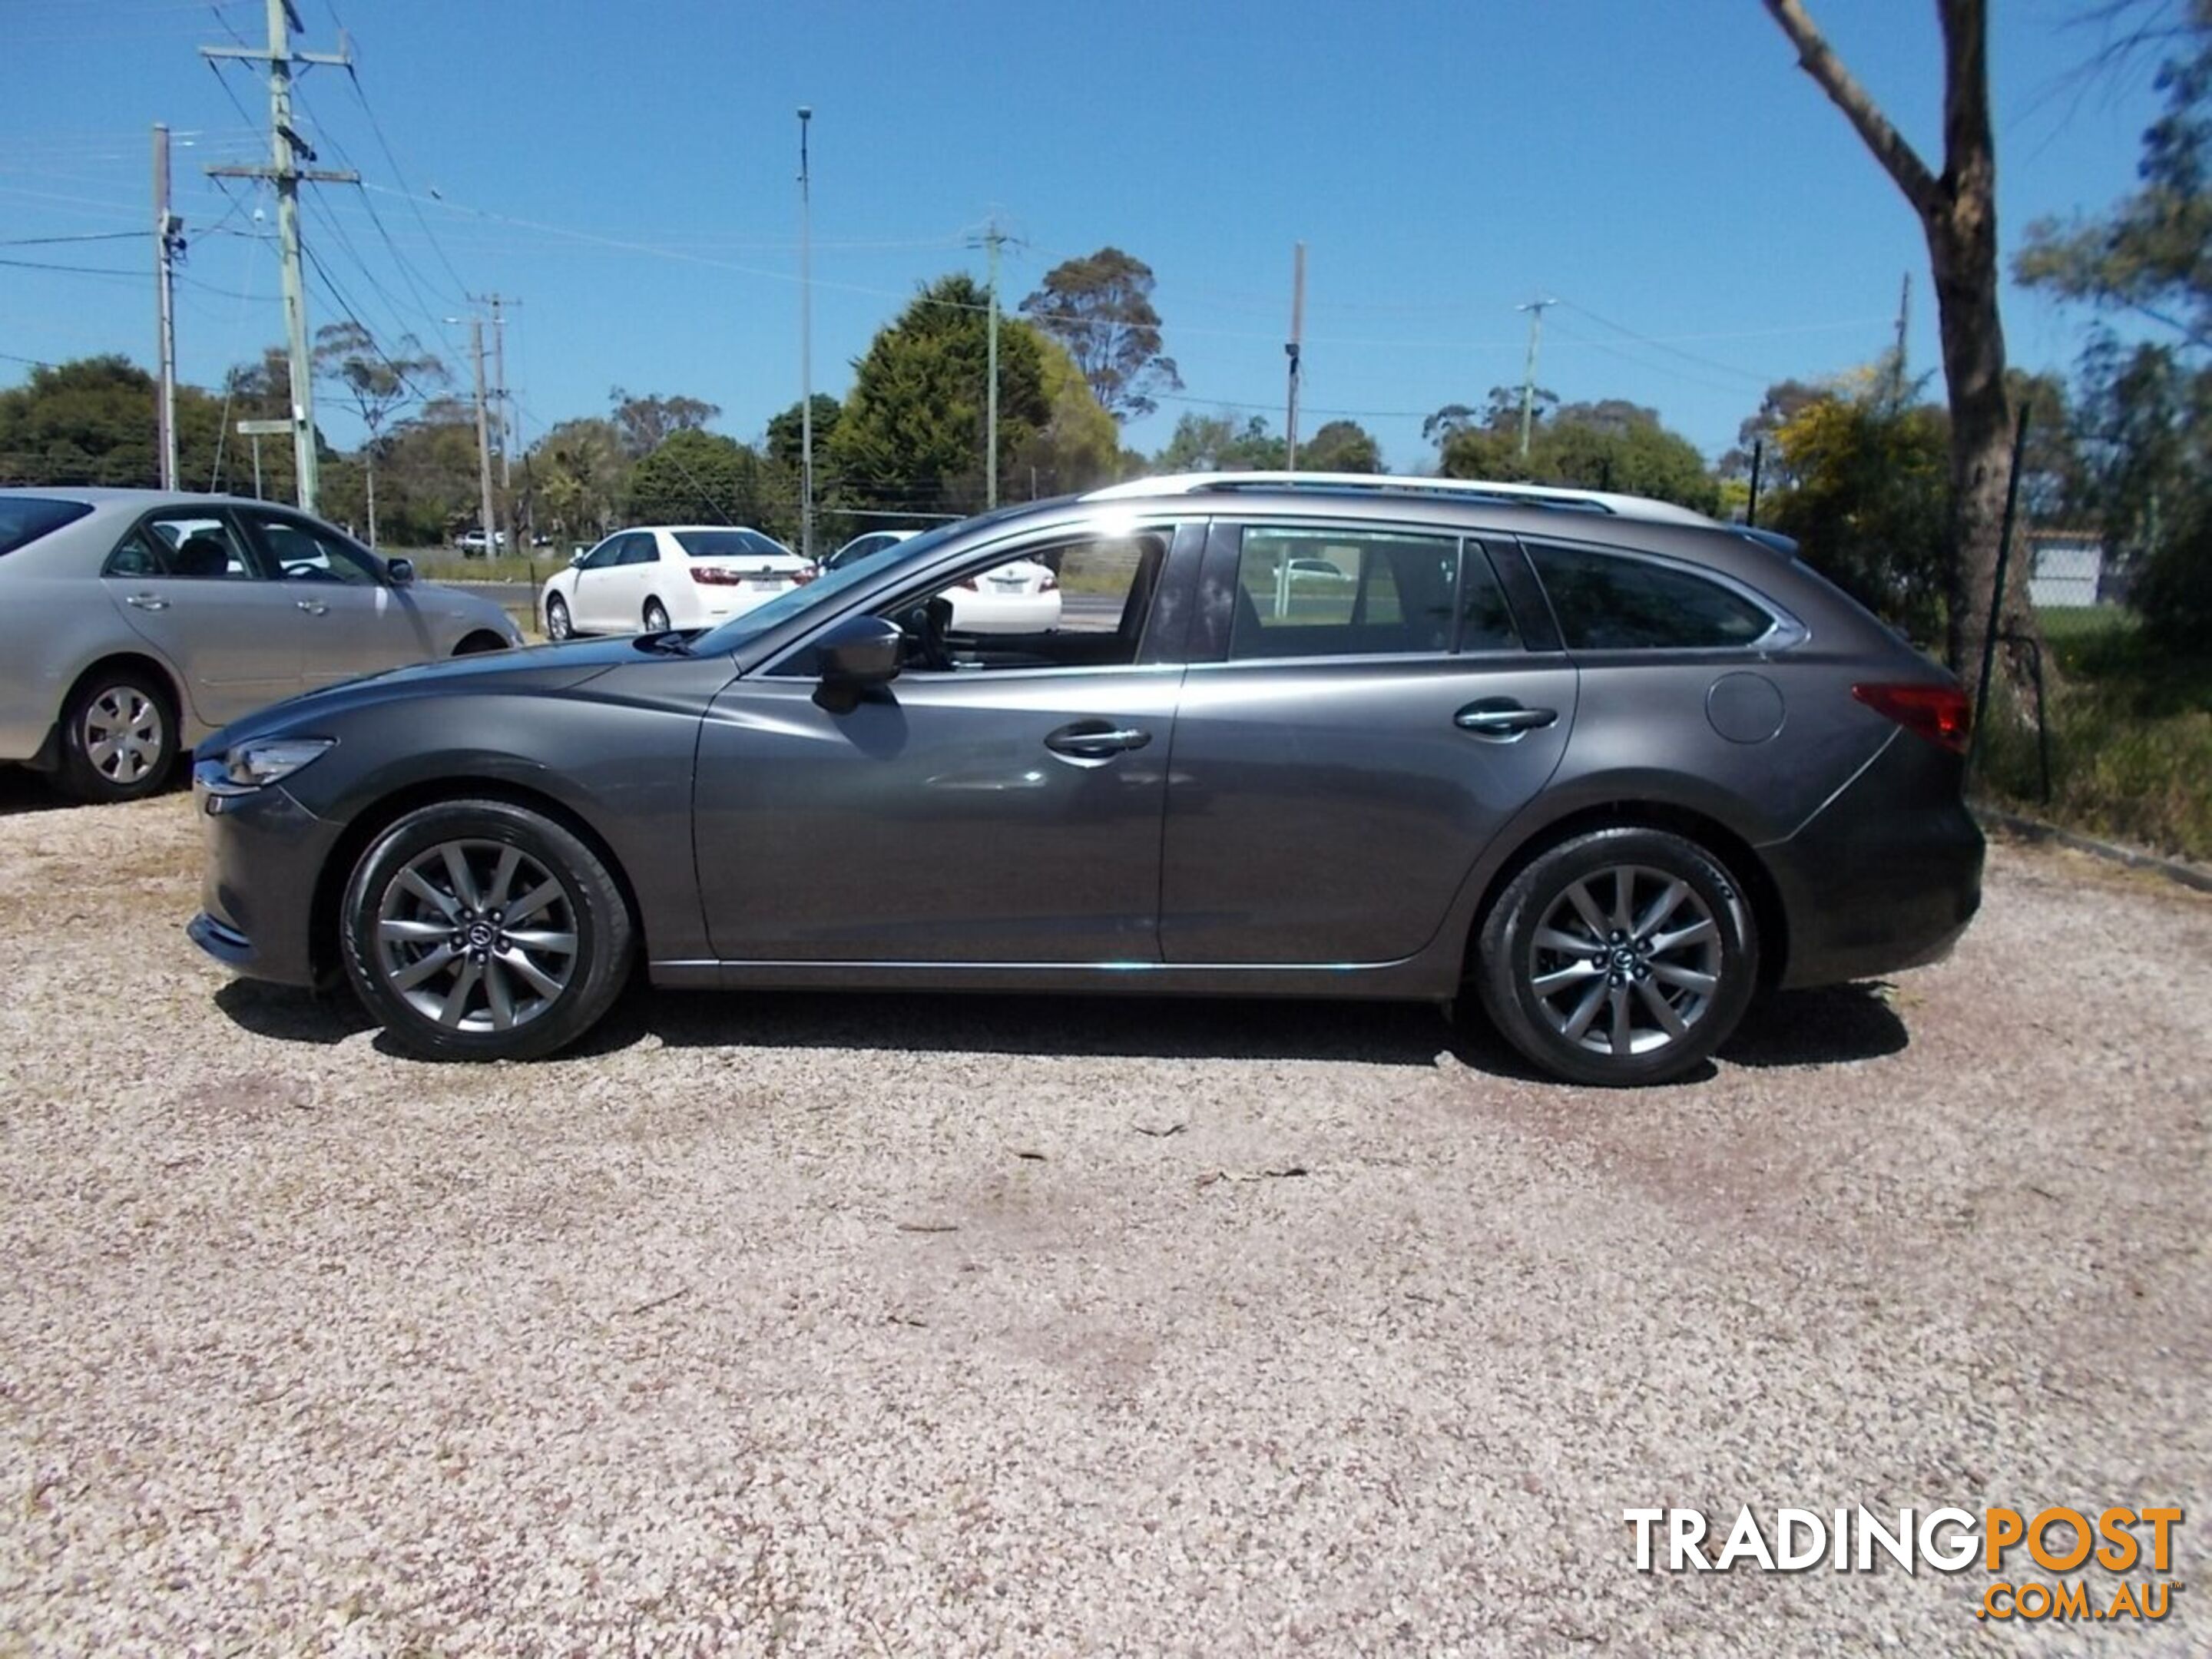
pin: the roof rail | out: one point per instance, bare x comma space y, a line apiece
1376, 483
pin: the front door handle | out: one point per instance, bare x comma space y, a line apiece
1503, 718
313, 607
147, 602
1096, 740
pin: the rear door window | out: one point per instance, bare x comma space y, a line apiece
1613, 602
195, 546
1355, 592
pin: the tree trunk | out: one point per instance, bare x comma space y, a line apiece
1958, 214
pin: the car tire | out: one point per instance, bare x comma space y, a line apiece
1664, 957
435, 952
656, 616
118, 737
557, 625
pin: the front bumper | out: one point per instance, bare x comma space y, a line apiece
265, 854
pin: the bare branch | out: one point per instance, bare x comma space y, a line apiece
1818, 60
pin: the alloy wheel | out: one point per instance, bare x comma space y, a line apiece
476, 936
1626, 961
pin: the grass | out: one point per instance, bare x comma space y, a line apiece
445, 564
2131, 737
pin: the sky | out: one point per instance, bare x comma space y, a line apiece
628, 174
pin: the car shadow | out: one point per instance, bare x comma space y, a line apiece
23, 791
1833, 1025
1806, 1028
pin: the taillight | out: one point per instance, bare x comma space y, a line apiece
1049, 585
800, 577
1940, 713
710, 575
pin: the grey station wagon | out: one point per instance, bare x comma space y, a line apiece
1608, 766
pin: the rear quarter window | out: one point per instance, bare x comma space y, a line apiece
1609, 602
24, 519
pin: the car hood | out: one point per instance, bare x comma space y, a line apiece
534, 668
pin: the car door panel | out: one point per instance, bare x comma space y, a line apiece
232, 635
1328, 811
355, 624
956, 817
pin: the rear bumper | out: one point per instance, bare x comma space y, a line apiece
1885, 876
265, 852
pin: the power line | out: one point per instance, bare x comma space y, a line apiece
85, 236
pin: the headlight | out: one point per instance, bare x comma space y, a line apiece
254, 765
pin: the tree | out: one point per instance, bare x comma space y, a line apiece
377, 384
1341, 446
1078, 445
2144, 412
696, 477
1446, 423
1861, 481
647, 422
1608, 445
787, 430
1216, 443
428, 464
91, 422
1957, 209
1783, 400
912, 433
1100, 307
580, 473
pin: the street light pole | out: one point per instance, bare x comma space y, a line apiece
806, 346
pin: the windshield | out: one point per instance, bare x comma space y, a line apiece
729, 544
24, 519
821, 590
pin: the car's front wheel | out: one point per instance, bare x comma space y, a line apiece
1619, 957
482, 930
119, 738
557, 625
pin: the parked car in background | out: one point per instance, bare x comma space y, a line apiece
134, 620
655, 577
872, 541
475, 544
1601, 764
1020, 598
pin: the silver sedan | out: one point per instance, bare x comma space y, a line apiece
134, 622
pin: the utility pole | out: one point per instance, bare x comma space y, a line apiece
1536, 310
286, 147
805, 347
486, 516
499, 394
168, 242
993, 239
1295, 350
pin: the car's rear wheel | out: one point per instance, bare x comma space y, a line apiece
118, 737
656, 616
557, 625
1619, 957
481, 930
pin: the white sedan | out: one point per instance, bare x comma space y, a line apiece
657, 577
1019, 598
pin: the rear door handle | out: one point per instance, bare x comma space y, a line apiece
147, 602
1500, 718
1096, 740
313, 607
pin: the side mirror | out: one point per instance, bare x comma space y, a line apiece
401, 572
859, 652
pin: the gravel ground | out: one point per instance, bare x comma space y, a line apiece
911, 1325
